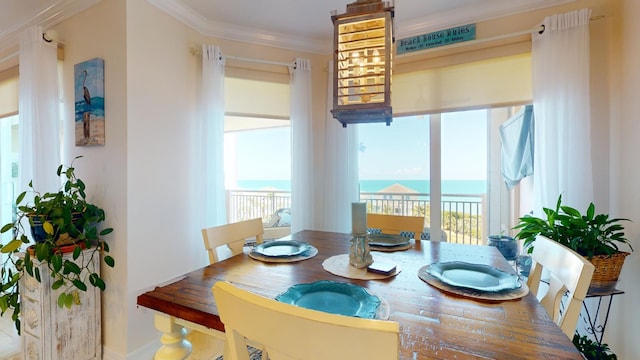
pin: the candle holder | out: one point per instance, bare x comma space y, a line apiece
360, 252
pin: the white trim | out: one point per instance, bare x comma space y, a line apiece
269, 62
437, 21
10, 57
469, 15
147, 351
227, 31
51, 15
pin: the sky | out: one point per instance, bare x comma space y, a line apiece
396, 152
401, 150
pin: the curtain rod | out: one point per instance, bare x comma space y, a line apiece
197, 52
539, 29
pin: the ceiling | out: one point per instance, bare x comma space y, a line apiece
302, 25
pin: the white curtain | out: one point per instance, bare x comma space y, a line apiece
39, 134
302, 182
340, 174
560, 67
211, 186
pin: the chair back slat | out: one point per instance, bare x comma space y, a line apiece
232, 237
287, 331
395, 224
569, 272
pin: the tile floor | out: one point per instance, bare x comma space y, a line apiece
9, 339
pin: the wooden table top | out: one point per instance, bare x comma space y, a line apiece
433, 324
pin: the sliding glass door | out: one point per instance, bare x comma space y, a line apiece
445, 167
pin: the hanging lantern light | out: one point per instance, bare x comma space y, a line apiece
363, 40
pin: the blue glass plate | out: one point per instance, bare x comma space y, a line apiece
387, 240
281, 248
333, 297
473, 276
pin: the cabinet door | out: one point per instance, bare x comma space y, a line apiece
60, 333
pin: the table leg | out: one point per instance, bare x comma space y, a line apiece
174, 345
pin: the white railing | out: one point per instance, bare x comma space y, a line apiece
461, 214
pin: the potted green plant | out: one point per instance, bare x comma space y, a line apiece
595, 236
61, 223
591, 350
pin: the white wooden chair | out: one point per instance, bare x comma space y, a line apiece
568, 271
395, 224
231, 237
222, 242
291, 332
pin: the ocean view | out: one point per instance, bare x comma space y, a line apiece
462, 187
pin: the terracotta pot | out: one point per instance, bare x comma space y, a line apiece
63, 249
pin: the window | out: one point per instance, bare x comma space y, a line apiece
8, 170
452, 159
257, 148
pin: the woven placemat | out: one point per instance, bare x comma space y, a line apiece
518, 293
339, 265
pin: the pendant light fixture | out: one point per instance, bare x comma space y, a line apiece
363, 40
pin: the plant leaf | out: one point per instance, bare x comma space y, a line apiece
109, 261
47, 226
76, 252
6, 228
56, 262
97, 281
79, 284
57, 284
62, 299
70, 267
12, 246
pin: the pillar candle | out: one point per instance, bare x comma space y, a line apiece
359, 218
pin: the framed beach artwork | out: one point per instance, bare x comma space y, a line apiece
89, 102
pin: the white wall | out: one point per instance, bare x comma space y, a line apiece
100, 32
624, 323
164, 240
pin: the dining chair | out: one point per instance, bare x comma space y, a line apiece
569, 273
291, 332
231, 238
396, 224
222, 242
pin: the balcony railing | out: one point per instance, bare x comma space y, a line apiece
461, 214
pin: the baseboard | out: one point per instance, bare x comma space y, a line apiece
144, 353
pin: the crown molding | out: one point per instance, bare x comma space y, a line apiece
470, 15
54, 13
234, 32
439, 21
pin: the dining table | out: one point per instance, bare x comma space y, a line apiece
435, 322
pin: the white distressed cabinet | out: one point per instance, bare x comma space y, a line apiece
53, 333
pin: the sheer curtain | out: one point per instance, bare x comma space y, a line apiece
340, 174
302, 182
560, 66
38, 132
211, 146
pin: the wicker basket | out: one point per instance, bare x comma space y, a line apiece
607, 270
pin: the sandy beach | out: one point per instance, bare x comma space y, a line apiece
96, 132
